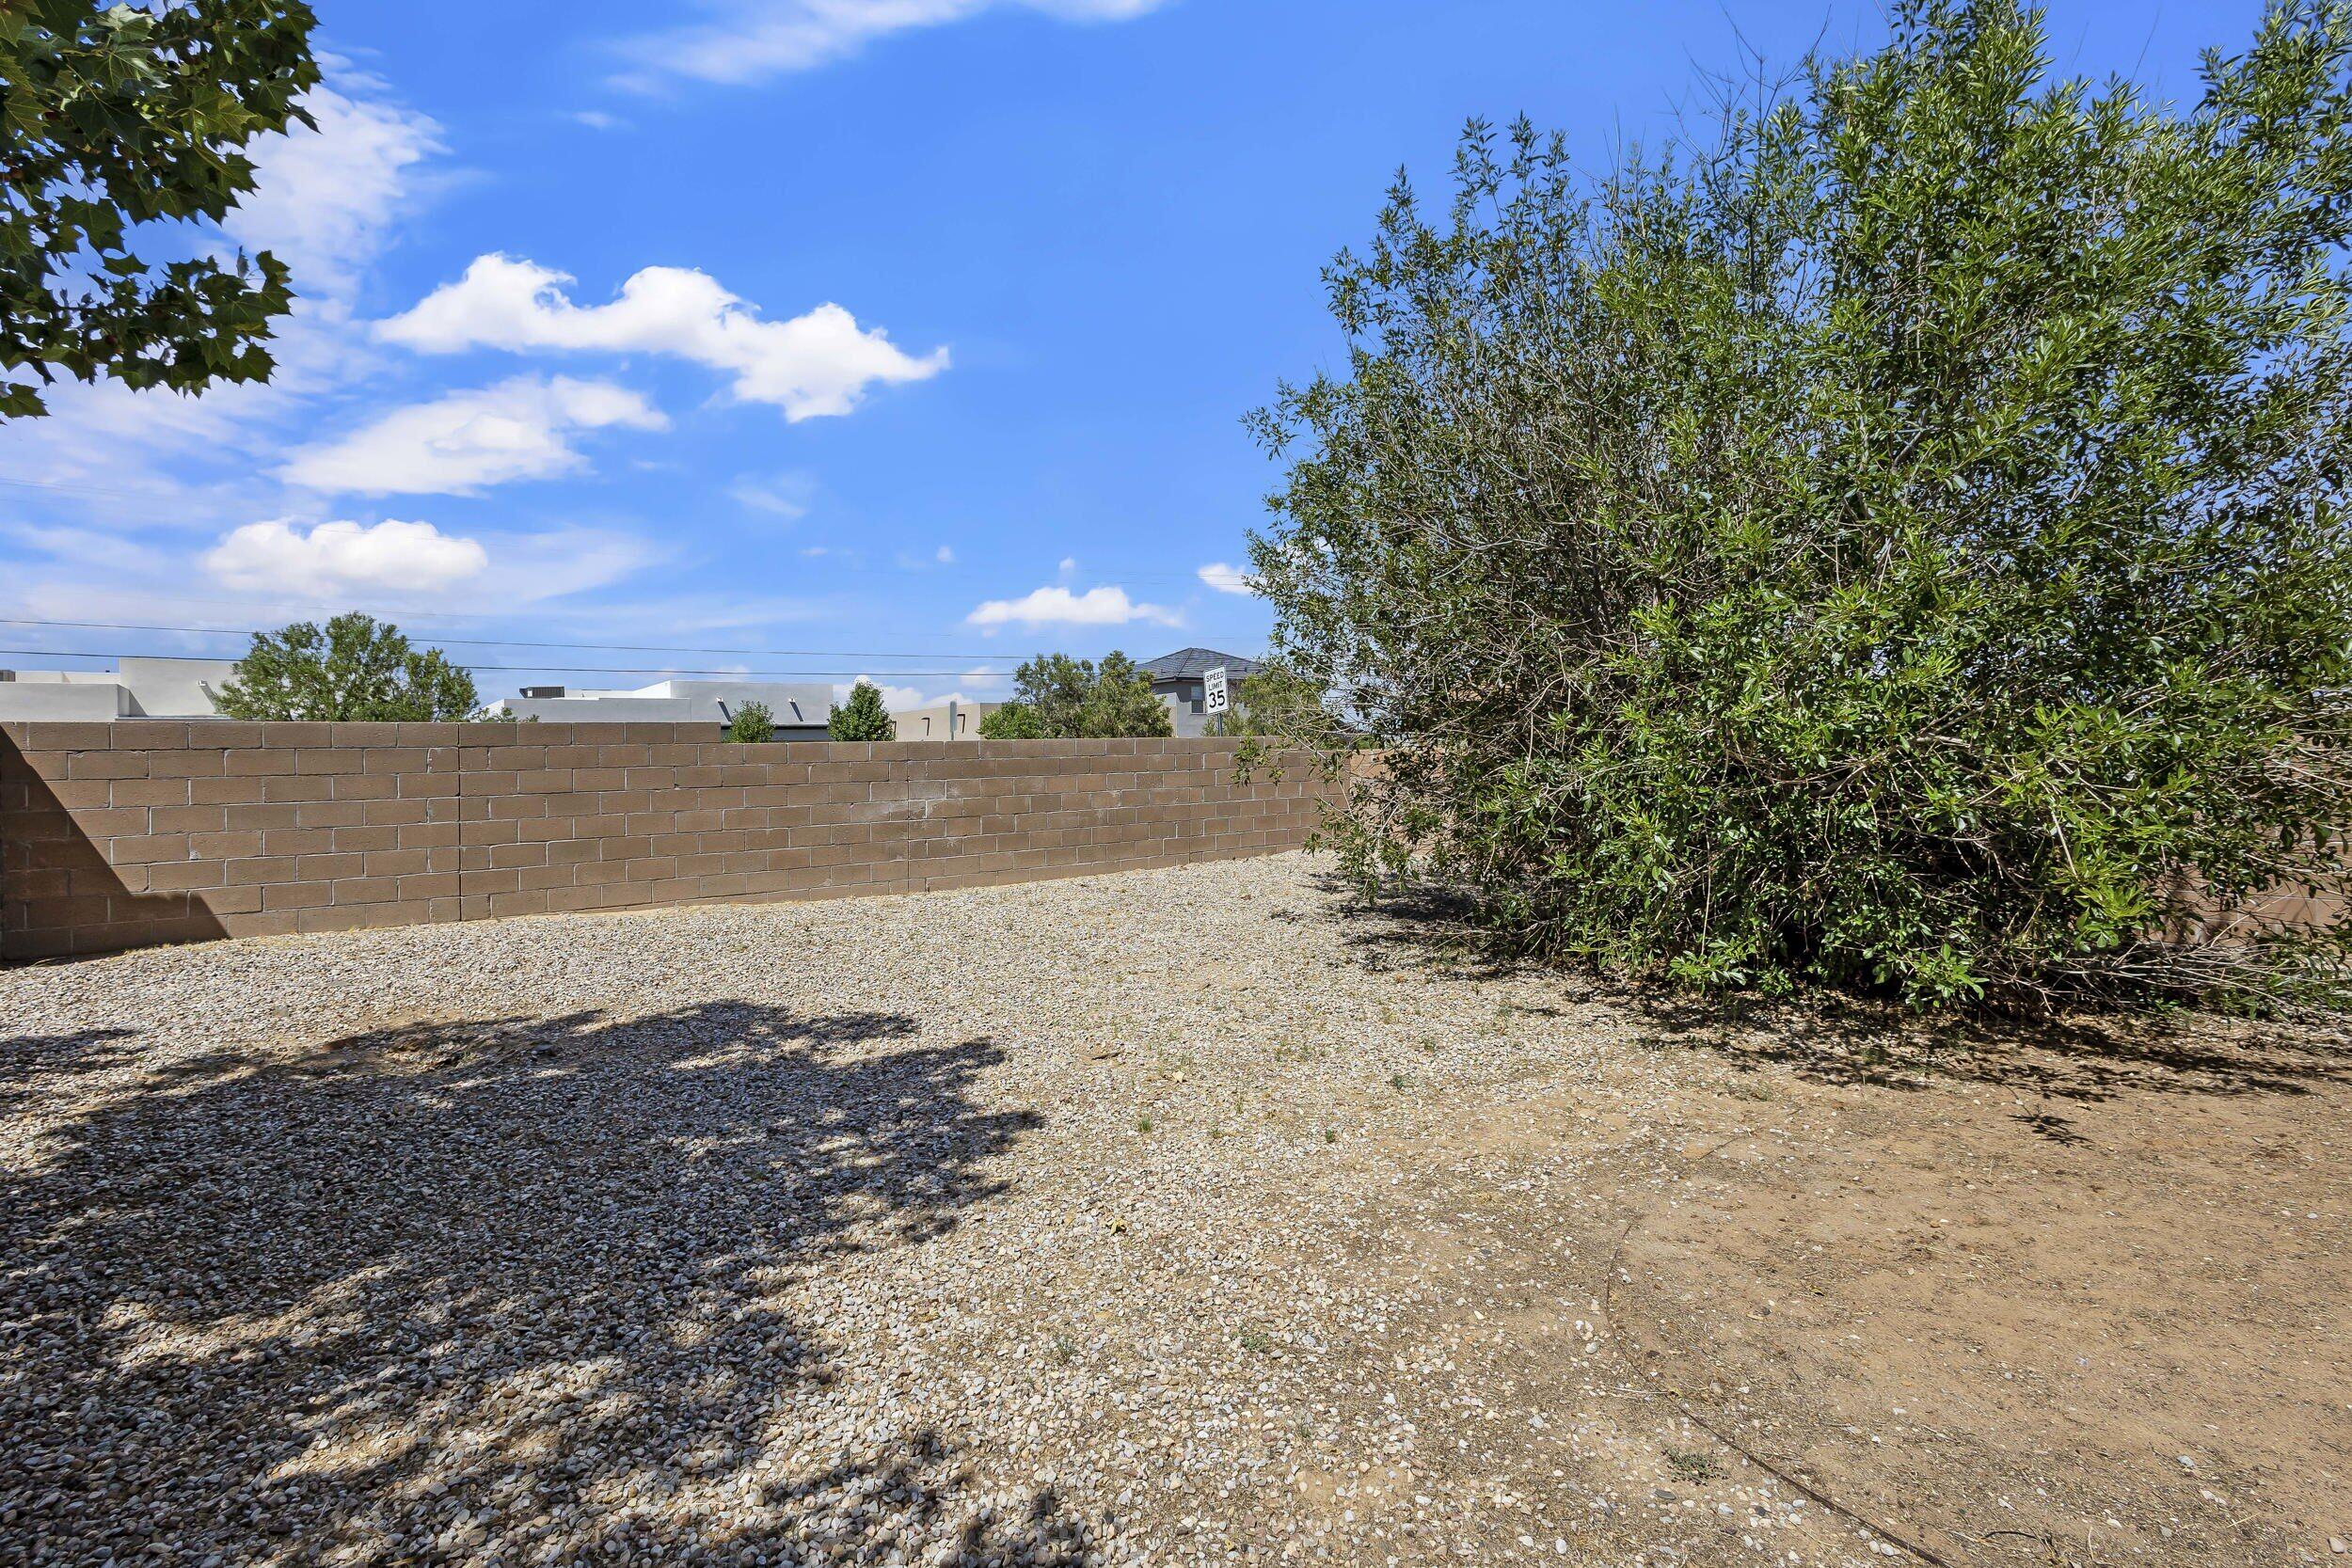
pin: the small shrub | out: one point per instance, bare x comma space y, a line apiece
752, 723
1013, 721
862, 718
1692, 1466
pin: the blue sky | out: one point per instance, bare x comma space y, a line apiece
889, 336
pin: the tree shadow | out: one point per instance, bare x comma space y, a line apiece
501, 1290
27, 1062
1835, 1041
2085, 1057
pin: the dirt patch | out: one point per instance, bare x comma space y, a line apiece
2100, 1318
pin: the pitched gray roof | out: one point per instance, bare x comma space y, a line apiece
1192, 663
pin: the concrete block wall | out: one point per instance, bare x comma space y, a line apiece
138, 831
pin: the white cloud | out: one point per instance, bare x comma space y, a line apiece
97, 549
814, 364
788, 496
1059, 606
751, 41
897, 699
596, 120
902, 698
409, 570
533, 568
344, 557
1228, 580
459, 443
945, 555
324, 200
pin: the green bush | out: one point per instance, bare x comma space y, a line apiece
753, 723
1276, 702
1898, 547
1013, 721
864, 718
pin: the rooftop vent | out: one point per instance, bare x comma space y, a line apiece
543, 691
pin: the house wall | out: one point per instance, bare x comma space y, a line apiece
800, 709
64, 701
169, 687
1186, 700
930, 723
134, 832
135, 688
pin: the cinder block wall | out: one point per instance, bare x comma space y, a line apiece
124, 835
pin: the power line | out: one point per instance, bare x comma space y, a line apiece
563, 669
508, 642
82, 490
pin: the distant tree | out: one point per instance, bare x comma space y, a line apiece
114, 115
1278, 701
353, 669
753, 722
1073, 699
1013, 721
862, 718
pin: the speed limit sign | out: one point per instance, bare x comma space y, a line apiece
1212, 693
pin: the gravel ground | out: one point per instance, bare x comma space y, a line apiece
1171, 1218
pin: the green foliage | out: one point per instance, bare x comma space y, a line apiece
1013, 721
355, 669
1900, 546
1278, 703
753, 722
863, 718
1059, 698
111, 116
1693, 1464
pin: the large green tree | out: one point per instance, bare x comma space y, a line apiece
1059, 698
113, 116
1899, 544
355, 668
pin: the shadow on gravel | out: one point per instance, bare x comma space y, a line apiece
2085, 1057
466, 1290
28, 1061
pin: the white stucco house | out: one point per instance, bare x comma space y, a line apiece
134, 689
799, 707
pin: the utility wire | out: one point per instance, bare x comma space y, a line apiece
506, 643
558, 669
